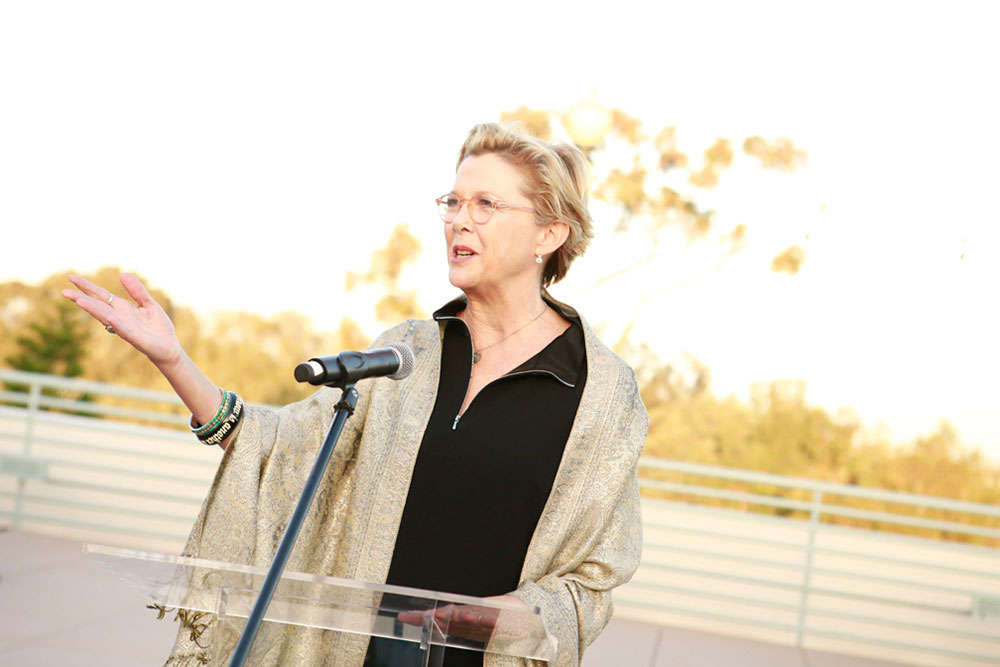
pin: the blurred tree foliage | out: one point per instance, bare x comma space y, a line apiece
246, 351
56, 346
778, 432
387, 264
659, 183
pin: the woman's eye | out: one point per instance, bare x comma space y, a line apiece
451, 202
485, 203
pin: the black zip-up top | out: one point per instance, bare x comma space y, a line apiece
480, 481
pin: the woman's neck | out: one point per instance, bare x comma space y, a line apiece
501, 314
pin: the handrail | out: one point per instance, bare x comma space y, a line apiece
719, 550
969, 521
88, 386
831, 488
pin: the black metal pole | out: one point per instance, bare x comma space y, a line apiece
345, 408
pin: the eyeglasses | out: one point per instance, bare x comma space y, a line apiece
481, 207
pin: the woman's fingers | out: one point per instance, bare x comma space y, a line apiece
90, 289
100, 303
104, 314
135, 289
142, 324
98, 309
469, 621
412, 617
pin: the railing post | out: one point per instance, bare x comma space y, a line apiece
814, 516
34, 397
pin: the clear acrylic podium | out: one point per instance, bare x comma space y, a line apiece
413, 623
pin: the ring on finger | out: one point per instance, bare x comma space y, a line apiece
111, 297
110, 329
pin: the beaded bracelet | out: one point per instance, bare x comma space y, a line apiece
228, 423
217, 419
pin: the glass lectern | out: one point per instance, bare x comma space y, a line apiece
418, 623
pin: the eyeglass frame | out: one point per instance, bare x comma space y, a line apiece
498, 205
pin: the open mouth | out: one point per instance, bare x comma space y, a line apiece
461, 252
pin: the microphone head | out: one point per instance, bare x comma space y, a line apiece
308, 371
406, 360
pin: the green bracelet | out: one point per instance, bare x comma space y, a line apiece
223, 408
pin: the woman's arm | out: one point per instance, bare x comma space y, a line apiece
601, 547
146, 327
576, 605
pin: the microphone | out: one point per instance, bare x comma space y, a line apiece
395, 361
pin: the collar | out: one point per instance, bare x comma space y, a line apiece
564, 358
458, 304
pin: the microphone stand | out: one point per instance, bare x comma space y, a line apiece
345, 408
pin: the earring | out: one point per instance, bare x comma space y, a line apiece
538, 259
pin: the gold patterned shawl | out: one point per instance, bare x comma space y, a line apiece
587, 541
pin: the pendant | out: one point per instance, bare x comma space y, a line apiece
476, 357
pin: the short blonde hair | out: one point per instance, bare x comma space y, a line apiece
558, 179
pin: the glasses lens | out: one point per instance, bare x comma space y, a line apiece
448, 207
481, 209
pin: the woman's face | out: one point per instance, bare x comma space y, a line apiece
498, 256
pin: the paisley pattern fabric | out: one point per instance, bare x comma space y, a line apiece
587, 542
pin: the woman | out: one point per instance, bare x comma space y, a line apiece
504, 465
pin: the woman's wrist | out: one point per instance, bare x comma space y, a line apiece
174, 363
198, 393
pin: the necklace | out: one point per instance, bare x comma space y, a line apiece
477, 353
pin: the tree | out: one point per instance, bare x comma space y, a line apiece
249, 352
56, 347
649, 179
385, 271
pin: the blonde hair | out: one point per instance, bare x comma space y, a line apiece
558, 181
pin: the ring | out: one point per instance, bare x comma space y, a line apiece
111, 297
110, 329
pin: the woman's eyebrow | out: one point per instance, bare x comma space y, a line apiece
477, 193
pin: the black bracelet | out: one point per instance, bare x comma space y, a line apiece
227, 424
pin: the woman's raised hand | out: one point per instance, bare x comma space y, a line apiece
145, 326
142, 324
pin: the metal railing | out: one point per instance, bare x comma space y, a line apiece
807, 562
105, 477
779, 558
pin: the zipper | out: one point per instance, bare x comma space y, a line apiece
535, 371
472, 362
454, 424
458, 417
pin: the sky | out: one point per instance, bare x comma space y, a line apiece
245, 155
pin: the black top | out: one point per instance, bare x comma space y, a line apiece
481, 479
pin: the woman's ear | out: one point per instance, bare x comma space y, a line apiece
553, 236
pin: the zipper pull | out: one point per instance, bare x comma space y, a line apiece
455, 423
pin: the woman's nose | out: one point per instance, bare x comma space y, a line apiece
462, 219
